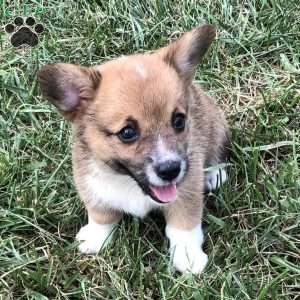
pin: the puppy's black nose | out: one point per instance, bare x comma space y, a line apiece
168, 170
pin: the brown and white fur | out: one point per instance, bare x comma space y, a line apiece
145, 92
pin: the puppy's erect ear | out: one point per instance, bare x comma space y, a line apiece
69, 87
186, 53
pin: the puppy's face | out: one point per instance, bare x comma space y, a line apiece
133, 113
140, 123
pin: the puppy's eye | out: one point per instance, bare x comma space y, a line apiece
128, 134
178, 121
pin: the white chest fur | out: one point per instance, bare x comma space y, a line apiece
104, 187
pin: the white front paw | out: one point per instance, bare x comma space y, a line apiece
186, 259
186, 251
93, 237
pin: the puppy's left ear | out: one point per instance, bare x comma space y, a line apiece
187, 52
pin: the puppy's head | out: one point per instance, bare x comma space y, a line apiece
133, 113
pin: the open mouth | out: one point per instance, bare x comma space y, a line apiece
163, 194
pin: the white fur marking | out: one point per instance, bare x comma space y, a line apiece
163, 154
214, 179
107, 188
94, 236
140, 69
152, 177
185, 248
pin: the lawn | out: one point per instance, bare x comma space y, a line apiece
252, 224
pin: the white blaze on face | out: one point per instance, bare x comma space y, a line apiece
134, 66
140, 70
160, 155
163, 153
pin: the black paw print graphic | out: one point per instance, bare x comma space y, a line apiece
24, 32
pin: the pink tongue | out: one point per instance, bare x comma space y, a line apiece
165, 193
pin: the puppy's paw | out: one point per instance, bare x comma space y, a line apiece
214, 179
187, 259
93, 237
186, 251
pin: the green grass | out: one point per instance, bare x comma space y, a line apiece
252, 224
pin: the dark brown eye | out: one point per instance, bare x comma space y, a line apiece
128, 134
178, 121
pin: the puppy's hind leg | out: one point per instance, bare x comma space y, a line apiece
216, 175
214, 178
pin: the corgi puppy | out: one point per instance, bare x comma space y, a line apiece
143, 135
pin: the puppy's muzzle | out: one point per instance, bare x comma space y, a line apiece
168, 170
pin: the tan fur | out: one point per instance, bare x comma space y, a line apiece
104, 216
186, 212
147, 88
137, 97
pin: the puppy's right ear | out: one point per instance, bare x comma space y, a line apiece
70, 88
